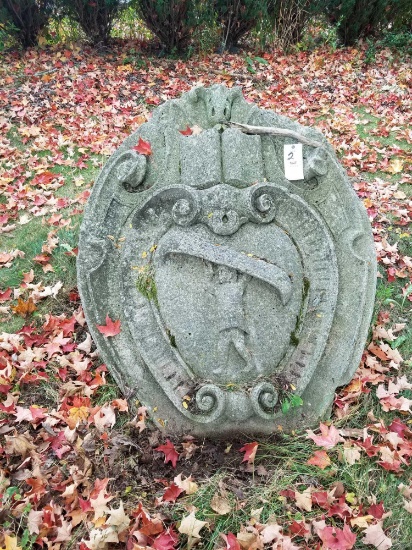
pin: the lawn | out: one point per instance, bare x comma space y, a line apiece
82, 467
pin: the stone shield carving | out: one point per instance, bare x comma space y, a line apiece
236, 288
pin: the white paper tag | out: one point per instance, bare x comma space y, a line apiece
293, 158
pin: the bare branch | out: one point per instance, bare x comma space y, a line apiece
272, 131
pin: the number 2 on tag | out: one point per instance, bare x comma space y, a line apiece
293, 159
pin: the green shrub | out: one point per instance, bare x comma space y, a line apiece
206, 35
356, 19
172, 21
95, 17
237, 18
62, 30
129, 26
27, 17
399, 15
7, 29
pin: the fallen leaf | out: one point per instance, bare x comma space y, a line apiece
270, 533
395, 166
172, 492
118, 518
191, 526
337, 539
5, 296
111, 328
11, 543
351, 455
24, 308
220, 505
304, 500
166, 540
143, 147
361, 521
329, 438
375, 536
187, 132
250, 452
187, 485
171, 455
231, 541
319, 459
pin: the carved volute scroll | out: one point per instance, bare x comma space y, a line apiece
235, 287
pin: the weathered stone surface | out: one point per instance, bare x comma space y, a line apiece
235, 287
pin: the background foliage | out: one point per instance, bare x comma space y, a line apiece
182, 27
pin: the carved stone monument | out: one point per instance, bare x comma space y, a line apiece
240, 291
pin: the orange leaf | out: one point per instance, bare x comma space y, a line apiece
111, 328
319, 459
143, 147
24, 308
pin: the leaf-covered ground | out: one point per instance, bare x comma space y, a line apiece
78, 470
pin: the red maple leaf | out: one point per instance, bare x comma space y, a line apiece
171, 493
376, 510
4, 296
44, 178
395, 466
299, 528
321, 498
367, 445
340, 509
166, 540
111, 328
143, 147
250, 452
398, 427
187, 132
171, 455
231, 542
337, 539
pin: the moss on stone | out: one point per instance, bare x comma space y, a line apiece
146, 285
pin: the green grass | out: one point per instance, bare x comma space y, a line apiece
285, 461
30, 238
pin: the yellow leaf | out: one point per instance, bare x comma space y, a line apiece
351, 498
395, 166
361, 521
11, 543
77, 414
